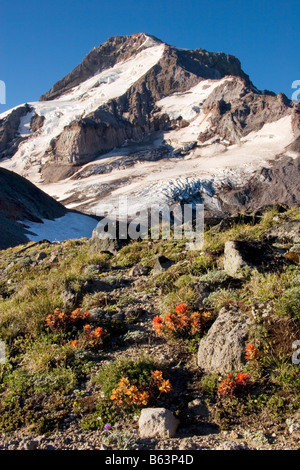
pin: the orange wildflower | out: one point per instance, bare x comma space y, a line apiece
181, 309
143, 398
251, 353
139, 395
157, 375
165, 386
195, 320
158, 324
227, 385
170, 322
79, 314
242, 379
180, 322
98, 332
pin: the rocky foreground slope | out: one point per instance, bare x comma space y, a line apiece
144, 119
93, 338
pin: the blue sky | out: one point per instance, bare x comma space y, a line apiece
41, 41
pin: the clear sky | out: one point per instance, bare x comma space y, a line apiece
41, 41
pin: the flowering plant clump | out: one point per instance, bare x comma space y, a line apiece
107, 428
79, 315
251, 353
138, 395
60, 319
128, 394
75, 344
91, 338
232, 385
181, 322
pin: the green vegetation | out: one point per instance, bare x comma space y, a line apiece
45, 368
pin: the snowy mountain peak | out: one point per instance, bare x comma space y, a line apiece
115, 50
143, 118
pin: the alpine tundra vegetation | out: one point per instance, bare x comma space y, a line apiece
147, 344
89, 343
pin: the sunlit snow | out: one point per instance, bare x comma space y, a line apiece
69, 226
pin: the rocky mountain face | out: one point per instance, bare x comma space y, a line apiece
145, 119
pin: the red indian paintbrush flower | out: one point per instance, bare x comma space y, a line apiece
251, 353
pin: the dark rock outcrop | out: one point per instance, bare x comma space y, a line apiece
162, 264
238, 109
9, 126
21, 200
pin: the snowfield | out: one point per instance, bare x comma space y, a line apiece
147, 182
188, 104
69, 226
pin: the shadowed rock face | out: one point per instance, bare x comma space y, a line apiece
21, 200
9, 126
268, 186
237, 110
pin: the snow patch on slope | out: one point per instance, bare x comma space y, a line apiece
69, 226
188, 104
24, 126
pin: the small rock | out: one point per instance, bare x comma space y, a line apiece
42, 255
157, 422
69, 298
294, 253
31, 445
108, 242
284, 232
293, 425
229, 445
53, 259
162, 264
198, 408
234, 263
187, 444
139, 270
